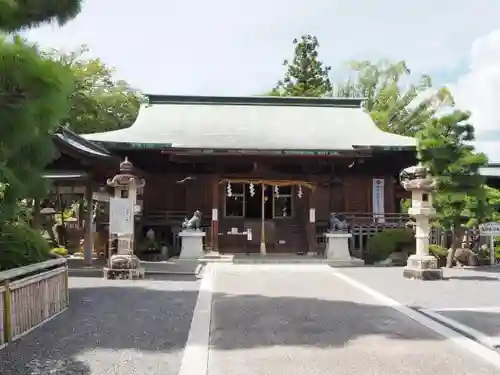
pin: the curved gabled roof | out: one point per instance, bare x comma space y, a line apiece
254, 123
79, 144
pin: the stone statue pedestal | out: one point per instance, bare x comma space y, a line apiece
337, 250
422, 267
192, 244
124, 266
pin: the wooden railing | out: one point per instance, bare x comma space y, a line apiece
165, 217
30, 296
363, 226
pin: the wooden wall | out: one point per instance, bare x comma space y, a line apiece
167, 202
350, 194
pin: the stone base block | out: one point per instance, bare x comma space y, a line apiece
192, 244
133, 273
423, 274
422, 262
422, 267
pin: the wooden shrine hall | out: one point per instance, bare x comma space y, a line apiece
272, 166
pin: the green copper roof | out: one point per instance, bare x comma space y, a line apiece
252, 123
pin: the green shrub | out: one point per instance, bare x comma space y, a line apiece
484, 255
438, 251
382, 244
61, 251
21, 245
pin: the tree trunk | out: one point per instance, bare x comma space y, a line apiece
457, 232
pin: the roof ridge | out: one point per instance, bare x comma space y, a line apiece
256, 100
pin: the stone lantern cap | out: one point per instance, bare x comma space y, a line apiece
126, 166
417, 178
126, 177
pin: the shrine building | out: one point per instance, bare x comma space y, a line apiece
272, 166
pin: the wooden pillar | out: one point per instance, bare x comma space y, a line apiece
89, 235
345, 194
263, 250
390, 198
36, 213
80, 212
311, 223
215, 214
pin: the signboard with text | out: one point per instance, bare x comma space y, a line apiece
490, 229
378, 200
121, 216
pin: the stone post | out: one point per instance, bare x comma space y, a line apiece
421, 265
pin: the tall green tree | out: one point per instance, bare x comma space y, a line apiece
305, 74
444, 147
34, 93
397, 101
99, 102
21, 14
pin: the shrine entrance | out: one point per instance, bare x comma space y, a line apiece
258, 201
273, 211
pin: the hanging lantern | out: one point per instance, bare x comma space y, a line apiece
229, 191
251, 188
300, 193
276, 191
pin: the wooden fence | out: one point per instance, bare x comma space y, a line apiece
31, 296
363, 226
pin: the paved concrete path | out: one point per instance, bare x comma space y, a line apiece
262, 320
467, 299
113, 327
291, 320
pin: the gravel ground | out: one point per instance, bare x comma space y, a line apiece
281, 320
112, 327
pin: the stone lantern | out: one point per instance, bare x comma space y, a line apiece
122, 209
421, 265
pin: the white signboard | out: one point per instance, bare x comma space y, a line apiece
312, 215
490, 229
378, 199
121, 216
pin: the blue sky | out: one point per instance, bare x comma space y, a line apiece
223, 47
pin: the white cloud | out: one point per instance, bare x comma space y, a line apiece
479, 92
223, 47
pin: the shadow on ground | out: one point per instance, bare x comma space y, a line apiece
251, 321
104, 318
487, 269
473, 278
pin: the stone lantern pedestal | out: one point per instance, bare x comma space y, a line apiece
421, 265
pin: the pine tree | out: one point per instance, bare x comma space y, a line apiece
34, 93
306, 75
444, 146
